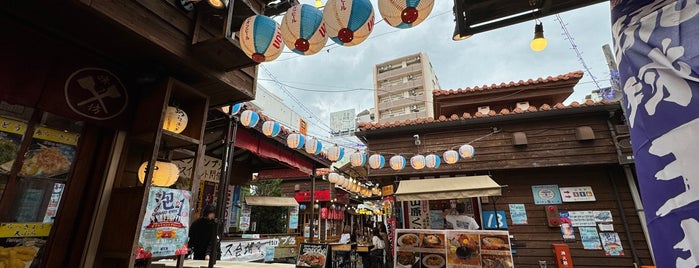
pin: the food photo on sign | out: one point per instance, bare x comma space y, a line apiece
313, 255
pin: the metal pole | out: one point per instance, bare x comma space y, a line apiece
224, 180
620, 207
313, 202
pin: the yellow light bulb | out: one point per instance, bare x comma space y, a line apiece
538, 44
319, 4
217, 3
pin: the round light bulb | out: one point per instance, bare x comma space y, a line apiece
538, 44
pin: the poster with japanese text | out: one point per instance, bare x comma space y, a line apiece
21, 243
452, 248
313, 255
582, 218
246, 250
165, 224
590, 238
418, 214
611, 244
546, 194
518, 214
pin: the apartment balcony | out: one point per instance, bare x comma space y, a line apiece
399, 72
401, 102
401, 87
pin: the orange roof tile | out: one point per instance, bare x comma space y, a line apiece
568, 76
364, 126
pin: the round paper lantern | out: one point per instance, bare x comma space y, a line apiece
295, 140
349, 22
249, 118
375, 191
358, 159
347, 183
302, 207
466, 151
175, 120
333, 177
303, 29
164, 175
261, 38
432, 161
341, 180
271, 128
377, 161
417, 162
451, 156
316, 206
336, 153
397, 162
405, 14
235, 109
313, 146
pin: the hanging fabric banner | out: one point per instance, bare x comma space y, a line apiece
655, 48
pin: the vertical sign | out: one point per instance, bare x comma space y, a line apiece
244, 218
303, 126
418, 214
165, 224
294, 217
655, 45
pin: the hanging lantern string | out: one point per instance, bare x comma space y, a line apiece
494, 131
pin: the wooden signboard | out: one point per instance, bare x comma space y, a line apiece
313, 255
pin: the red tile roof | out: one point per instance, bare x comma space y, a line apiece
368, 126
563, 77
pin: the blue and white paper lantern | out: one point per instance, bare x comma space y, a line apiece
313, 146
295, 140
349, 22
451, 157
235, 108
336, 153
467, 151
377, 161
261, 38
405, 14
417, 161
249, 118
432, 161
271, 128
397, 162
358, 159
303, 29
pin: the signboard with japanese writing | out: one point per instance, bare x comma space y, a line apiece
303, 126
165, 224
590, 238
54, 201
418, 214
246, 250
577, 194
11, 133
294, 217
452, 248
518, 214
582, 218
313, 255
20, 243
546, 194
611, 244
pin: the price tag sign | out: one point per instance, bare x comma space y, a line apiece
493, 222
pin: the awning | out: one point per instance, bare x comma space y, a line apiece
270, 201
447, 188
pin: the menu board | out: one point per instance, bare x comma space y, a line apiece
164, 229
50, 153
11, 133
313, 255
21, 243
452, 248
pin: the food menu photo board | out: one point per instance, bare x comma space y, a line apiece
50, 153
452, 248
313, 255
11, 133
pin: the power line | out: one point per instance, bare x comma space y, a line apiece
566, 33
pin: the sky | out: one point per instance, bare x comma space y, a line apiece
344, 74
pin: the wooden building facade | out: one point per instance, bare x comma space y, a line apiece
524, 136
91, 80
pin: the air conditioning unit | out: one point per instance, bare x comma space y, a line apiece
484, 109
524, 105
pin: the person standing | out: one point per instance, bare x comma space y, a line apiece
378, 250
460, 221
200, 233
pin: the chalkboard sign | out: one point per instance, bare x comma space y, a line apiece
313, 255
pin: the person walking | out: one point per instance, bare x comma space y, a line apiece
460, 221
200, 233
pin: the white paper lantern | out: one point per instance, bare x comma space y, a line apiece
303, 29
341, 180
333, 177
375, 191
165, 174
175, 120
347, 183
336, 153
405, 14
235, 108
349, 22
358, 159
313, 146
271, 128
432, 161
249, 118
377, 161
261, 38
295, 140
451, 157
397, 162
467, 151
417, 162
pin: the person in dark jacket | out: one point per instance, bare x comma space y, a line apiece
200, 233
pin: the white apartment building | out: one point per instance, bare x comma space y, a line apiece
403, 88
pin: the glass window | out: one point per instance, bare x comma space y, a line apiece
13, 125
